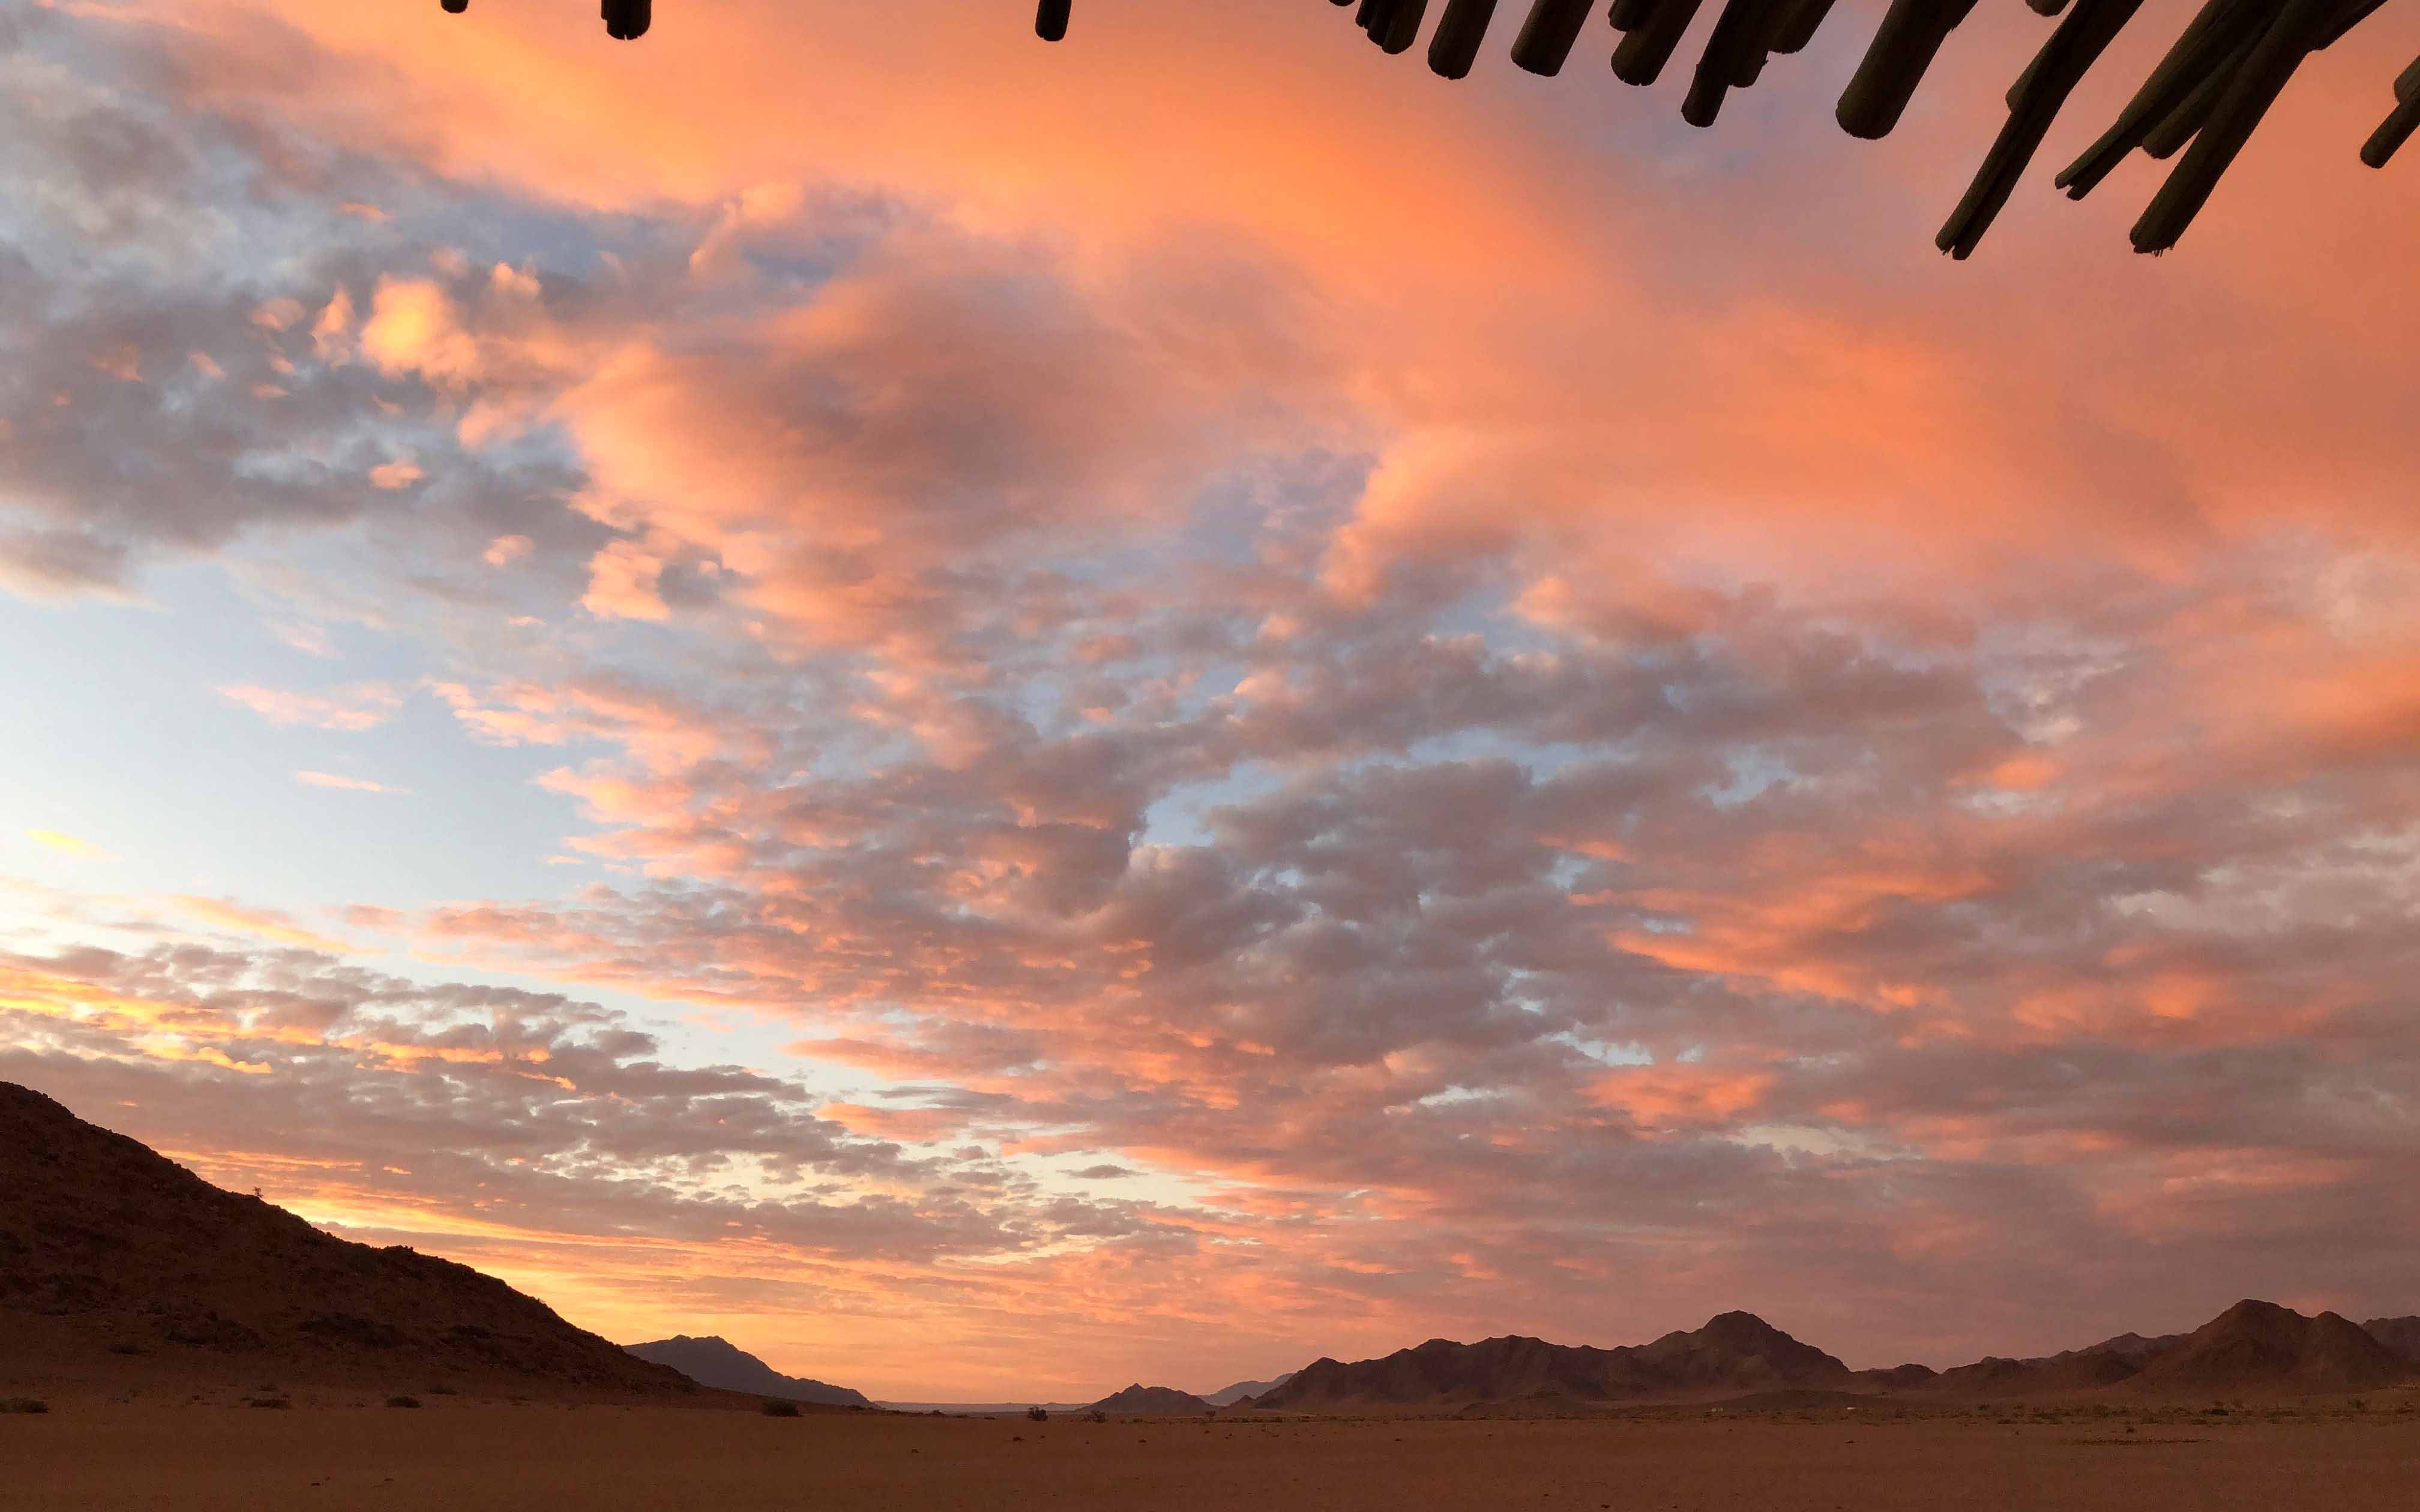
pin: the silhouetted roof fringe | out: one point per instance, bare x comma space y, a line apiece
2203, 100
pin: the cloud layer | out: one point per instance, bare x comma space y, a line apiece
1298, 718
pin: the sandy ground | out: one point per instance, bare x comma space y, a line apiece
463, 1457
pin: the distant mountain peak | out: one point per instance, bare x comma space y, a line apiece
711, 1360
2260, 1344
1139, 1400
2400, 1334
1241, 1390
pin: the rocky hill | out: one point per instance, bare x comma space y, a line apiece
108, 1250
2261, 1345
716, 1361
2400, 1335
1139, 1400
2253, 1346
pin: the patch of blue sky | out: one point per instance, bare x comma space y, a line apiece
1061, 1175
1487, 612
1998, 803
1182, 816
1234, 514
1541, 760
1230, 520
1815, 1140
125, 740
1754, 770
1457, 1096
1604, 1052
1566, 870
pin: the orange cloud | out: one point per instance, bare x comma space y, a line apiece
261, 923
1664, 1097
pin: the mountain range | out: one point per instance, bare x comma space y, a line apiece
114, 1259
2253, 1346
712, 1361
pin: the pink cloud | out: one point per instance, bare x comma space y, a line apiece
355, 708
621, 583
400, 473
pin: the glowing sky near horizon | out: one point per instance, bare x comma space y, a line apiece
1001, 719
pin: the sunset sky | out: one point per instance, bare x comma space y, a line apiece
1003, 718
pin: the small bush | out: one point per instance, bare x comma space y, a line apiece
1037, 1414
443, 1391
24, 1404
279, 1402
403, 1401
779, 1409
1097, 1415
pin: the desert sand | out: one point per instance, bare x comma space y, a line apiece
464, 1457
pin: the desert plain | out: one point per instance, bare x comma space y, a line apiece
470, 1455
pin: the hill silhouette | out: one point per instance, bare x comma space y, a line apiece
2074, 1371
714, 1360
1139, 1400
2257, 1344
108, 1248
2400, 1335
2126, 1347
1740, 1359
1734, 1353
2095, 1365
1227, 1396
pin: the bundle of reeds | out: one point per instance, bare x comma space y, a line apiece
2203, 100
2206, 98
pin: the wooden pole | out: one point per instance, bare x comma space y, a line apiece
1910, 38
1546, 38
1459, 33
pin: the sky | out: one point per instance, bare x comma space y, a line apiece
1003, 718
